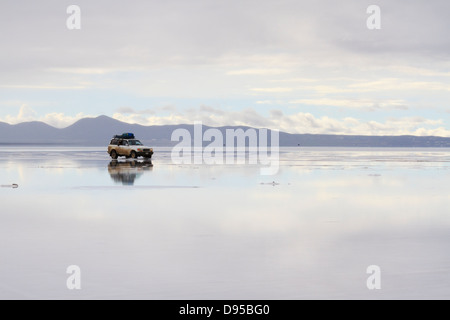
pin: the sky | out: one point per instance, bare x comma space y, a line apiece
293, 65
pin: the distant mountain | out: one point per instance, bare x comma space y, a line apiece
28, 132
99, 131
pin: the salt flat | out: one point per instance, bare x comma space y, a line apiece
141, 230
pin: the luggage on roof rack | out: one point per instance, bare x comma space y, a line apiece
125, 136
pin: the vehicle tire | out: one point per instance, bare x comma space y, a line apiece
133, 155
114, 154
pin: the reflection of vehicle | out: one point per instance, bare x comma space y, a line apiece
126, 172
129, 148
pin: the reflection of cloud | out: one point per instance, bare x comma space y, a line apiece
237, 232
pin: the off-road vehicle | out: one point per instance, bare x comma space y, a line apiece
127, 146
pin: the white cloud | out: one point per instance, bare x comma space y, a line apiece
58, 120
85, 71
42, 87
264, 102
391, 84
272, 90
258, 72
295, 123
25, 114
223, 49
364, 104
300, 80
415, 71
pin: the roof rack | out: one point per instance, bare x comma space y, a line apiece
125, 136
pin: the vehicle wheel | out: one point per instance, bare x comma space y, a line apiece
133, 155
114, 155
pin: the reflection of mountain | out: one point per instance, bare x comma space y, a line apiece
126, 172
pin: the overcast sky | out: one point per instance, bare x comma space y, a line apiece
294, 65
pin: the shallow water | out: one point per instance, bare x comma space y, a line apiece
164, 231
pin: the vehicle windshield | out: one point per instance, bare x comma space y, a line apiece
134, 143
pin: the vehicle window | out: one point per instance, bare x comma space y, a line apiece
135, 143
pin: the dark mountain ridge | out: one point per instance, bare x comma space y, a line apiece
98, 132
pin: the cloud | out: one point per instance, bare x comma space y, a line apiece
391, 84
300, 80
425, 72
85, 71
293, 123
128, 110
58, 120
150, 111
192, 53
25, 114
296, 123
363, 104
258, 72
42, 87
272, 90
264, 102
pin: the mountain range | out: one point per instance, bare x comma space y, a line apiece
99, 131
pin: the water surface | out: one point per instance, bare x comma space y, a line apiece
163, 231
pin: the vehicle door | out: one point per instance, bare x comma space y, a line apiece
124, 148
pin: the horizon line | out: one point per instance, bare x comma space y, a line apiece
217, 127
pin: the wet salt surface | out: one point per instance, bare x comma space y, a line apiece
164, 231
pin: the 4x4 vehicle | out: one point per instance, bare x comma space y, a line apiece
129, 148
